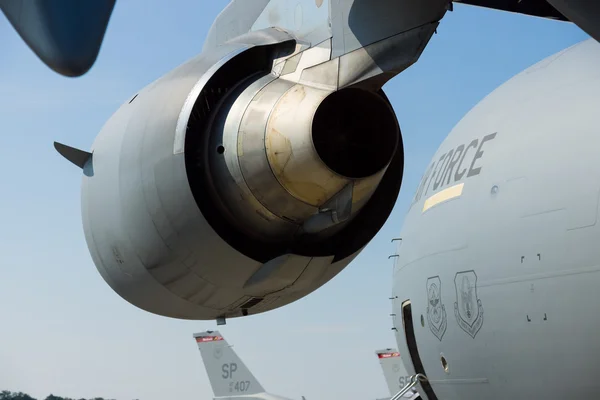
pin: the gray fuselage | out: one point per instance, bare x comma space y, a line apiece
497, 272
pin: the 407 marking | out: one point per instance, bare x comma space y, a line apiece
239, 386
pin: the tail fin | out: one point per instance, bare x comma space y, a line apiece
394, 372
228, 375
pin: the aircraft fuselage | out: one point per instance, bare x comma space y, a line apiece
495, 286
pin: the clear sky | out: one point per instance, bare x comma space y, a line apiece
64, 331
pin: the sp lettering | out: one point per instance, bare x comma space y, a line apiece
228, 369
404, 380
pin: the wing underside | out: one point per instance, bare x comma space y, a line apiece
67, 34
537, 8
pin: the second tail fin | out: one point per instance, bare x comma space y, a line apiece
394, 372
228, 375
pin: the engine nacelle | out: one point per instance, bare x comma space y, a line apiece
231, 186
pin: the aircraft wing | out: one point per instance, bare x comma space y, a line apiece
537, 8
584, 13
65, 34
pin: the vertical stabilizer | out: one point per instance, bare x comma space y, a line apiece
394, 371
228, 375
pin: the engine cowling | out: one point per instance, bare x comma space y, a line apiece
232, 185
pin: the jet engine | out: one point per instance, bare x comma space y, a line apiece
237, 183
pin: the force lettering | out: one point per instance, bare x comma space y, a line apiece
453, 166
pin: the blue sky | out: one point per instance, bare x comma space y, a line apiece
64, 331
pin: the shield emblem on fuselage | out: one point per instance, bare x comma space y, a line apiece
436, 310
467, 308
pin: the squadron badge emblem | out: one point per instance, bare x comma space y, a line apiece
436, 311
218, 353
468, 309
